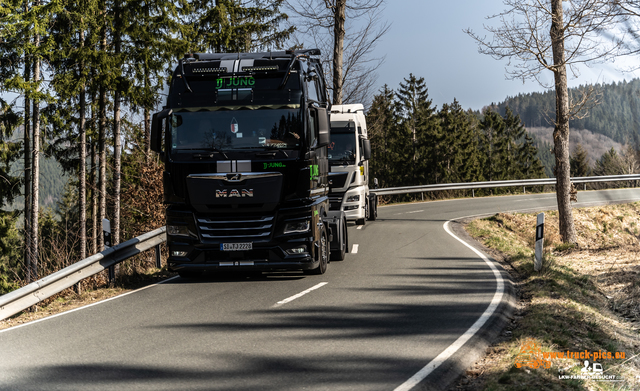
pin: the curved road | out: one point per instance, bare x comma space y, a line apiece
370, 323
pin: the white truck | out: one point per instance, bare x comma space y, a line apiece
349, 152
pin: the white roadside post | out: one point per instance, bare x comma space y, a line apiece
537, 265
106, 232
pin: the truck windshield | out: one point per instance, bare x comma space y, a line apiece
342, 149
232, 128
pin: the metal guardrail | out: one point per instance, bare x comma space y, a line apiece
25, 297
510, 183
28, 295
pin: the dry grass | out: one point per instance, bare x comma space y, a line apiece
586, 297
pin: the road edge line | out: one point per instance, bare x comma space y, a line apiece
88, 305
497, 299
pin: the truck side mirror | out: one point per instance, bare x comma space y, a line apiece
156, 131
366, 149
324, 137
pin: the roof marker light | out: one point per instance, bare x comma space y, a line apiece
260, 69
209, 70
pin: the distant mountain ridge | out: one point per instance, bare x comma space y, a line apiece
617, 115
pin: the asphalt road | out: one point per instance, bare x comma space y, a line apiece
370, 323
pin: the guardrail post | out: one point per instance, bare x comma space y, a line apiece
524, 190
158, 260
473, 193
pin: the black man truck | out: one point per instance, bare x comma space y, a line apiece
349, 154
244, 138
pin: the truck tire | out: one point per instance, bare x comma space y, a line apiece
363, 220
339, 255
323, 254
373, 207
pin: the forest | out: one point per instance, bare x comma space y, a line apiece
613, 109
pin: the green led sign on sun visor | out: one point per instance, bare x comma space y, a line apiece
235, 82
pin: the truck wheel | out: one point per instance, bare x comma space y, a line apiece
363, 220
339, 255
373, 208
323, 254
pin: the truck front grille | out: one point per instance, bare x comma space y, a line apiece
230, 228
335, 200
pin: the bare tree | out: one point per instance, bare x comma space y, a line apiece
555, 35
346, 32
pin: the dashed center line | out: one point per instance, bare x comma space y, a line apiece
407, 213
354, 249
299, 295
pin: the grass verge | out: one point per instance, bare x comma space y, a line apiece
585, 298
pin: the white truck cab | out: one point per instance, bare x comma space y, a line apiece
348, 153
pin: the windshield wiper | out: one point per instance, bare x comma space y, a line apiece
209, 155
268, 147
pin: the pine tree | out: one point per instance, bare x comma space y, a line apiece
417, 132
492, 128
230, 26
457, 158
529, 165
381, 120
580, 162
609, 163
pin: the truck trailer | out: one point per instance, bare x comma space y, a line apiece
244, 139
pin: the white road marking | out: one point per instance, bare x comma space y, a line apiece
299, 295
87, 306
454, 347
354, 249
360, 227
406, 213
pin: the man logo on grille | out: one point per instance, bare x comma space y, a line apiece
234, 193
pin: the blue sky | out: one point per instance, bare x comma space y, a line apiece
427, 39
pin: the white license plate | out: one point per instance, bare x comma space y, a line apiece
236, 246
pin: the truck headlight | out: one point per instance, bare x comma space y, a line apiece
353, 198
178, 253
297, 250
182, 230
296, 227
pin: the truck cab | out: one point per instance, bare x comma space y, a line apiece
348, 154
244, 139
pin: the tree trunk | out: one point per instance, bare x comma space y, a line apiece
27, 176
102, 161
82, 175
35, 175
94, 199
561, 131
338, 49
102, 145
147, 120
117, 147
